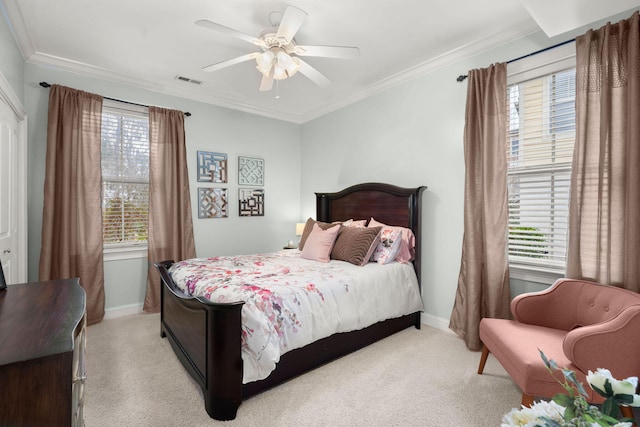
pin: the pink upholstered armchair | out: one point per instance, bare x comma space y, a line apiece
581, 325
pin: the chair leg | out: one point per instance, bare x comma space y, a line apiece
527, 400
483, 358
627, 412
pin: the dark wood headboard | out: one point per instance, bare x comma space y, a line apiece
386, 203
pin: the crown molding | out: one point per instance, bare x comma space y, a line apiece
9, 96
108, 75
448, 58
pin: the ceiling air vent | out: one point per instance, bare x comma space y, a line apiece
188, 80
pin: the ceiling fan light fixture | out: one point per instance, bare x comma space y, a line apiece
279, 73
278, 58
290, 63
265, 61
277, 62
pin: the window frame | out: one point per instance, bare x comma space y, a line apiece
545, 63
130, 250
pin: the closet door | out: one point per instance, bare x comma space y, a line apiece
10, 198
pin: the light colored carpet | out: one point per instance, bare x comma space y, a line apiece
421, 377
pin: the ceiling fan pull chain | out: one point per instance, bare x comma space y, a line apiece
277, 89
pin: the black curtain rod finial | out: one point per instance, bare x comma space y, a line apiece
45, 84
461, 77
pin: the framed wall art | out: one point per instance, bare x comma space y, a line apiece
251, 202
212, 167
212, 203
250, 171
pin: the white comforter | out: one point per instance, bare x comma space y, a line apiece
291, 301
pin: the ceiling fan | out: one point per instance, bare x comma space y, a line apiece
279, 57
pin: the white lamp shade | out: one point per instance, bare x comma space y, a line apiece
265, 61
277, 62
299, 228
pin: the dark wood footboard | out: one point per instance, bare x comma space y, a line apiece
206, 337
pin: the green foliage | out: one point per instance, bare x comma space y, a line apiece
116, 229
578, 412
531, 241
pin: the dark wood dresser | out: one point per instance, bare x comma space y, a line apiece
42, 345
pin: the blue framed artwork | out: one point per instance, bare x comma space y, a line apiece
212, 167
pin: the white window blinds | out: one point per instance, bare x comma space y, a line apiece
540, 143
125, 174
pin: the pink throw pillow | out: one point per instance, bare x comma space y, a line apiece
319, 243
406, 253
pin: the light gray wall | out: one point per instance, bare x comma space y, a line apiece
209, 128
412, 135
11, 63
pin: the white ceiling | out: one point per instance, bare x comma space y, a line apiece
149, 42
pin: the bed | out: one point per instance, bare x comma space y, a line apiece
207, 336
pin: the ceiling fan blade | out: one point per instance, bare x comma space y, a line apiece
230, 62
229, 31
314, 75
267, 82
344, 52
291, 22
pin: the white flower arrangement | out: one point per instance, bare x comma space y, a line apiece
572, 409
532, 416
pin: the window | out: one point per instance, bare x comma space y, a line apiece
125, 178
541, 136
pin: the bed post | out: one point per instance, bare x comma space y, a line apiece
224, 367
415, 203
162, 268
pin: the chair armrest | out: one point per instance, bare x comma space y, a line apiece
554, 307
613, 345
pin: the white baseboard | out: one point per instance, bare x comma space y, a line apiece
123, 310
435, 322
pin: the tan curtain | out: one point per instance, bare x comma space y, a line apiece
170, 225
604, 213
72, 215
483, 283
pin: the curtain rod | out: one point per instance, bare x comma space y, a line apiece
47, 85
461, 77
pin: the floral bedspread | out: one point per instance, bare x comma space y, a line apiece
291, 302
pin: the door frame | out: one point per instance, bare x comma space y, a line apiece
9, 97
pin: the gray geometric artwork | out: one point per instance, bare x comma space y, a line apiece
212, 167
251, 202
212, 203
250, 171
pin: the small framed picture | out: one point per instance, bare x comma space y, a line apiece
250, 171
212, 167
212, 203
251, 202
